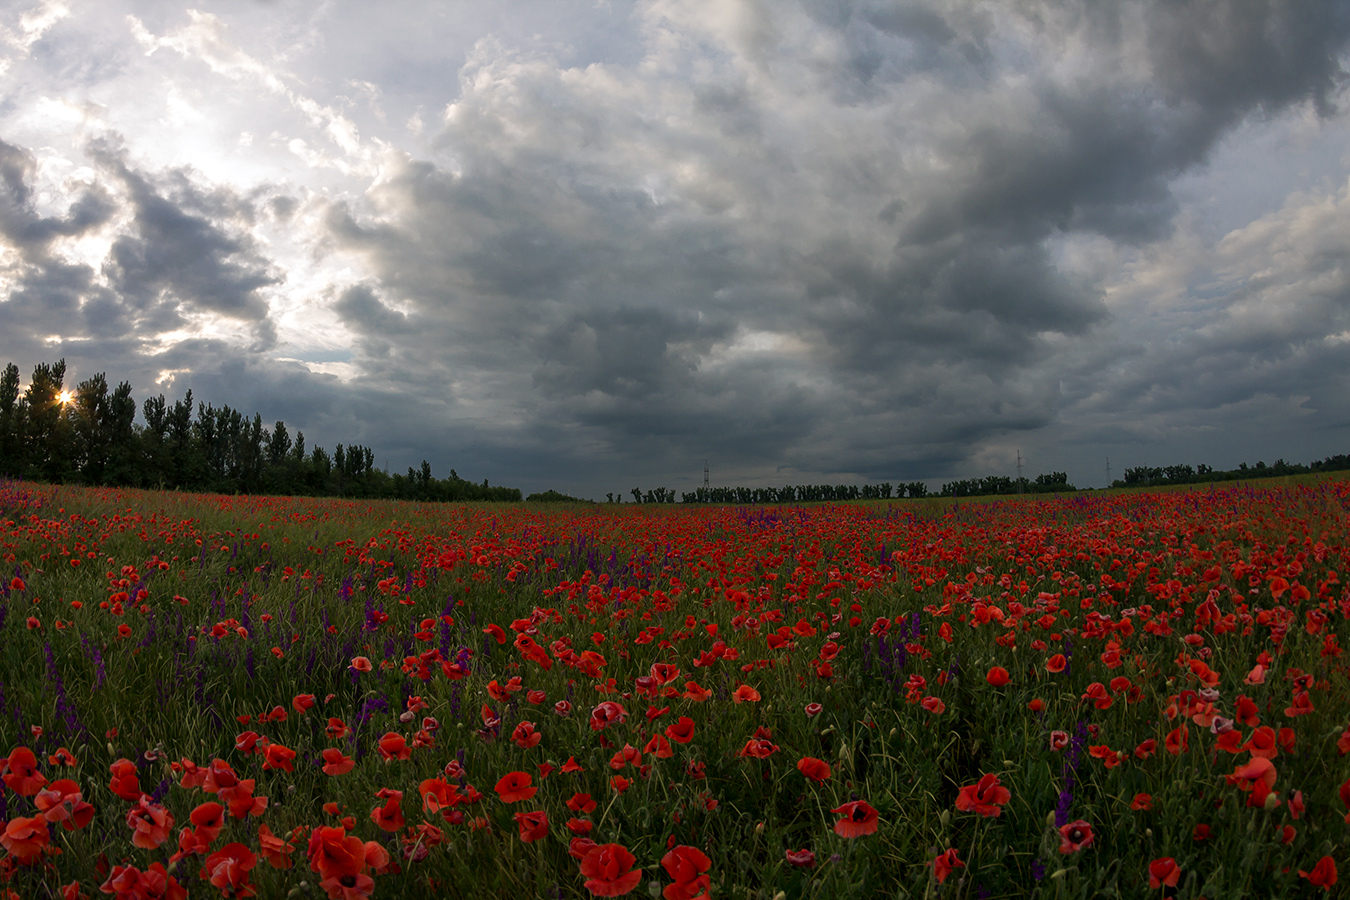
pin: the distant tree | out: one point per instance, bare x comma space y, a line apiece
12, 418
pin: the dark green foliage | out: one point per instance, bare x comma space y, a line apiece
92, 438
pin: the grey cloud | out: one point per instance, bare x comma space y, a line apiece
179, 248
569, 286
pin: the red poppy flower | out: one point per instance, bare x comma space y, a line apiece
694, 691
985, 797
227, 869
125, 783
275, 850
360, 664
609, 870
335, 762
859, 819
659, 747
150, 823
581, 803
25, 838
333, 853
389, 816
802, 859
1178, 740
682, 731
302, 703
745, 694
1323, 874
946, 863
1056, 663
1163, 871
525, 736
532, 825
997, 676
816, 769
16, 584
688, 866
62, 801
497, 632
393, 745
515, 787
278, 757
21, 775
1146, 749
628, 756
815, 709
759, 749
1142, 802
605, 714
579, 846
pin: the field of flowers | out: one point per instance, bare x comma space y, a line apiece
1097, 695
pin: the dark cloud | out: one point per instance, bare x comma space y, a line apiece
179, 247
824, 240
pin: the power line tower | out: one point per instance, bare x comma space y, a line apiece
705, 475
1019, 471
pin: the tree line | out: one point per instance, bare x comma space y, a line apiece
1147, 476
89, 435
805, 493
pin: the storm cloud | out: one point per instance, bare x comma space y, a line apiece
804, 241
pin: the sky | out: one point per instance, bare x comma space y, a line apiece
586, 246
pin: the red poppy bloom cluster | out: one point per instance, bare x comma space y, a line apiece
636, 686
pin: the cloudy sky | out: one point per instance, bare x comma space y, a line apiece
587, 245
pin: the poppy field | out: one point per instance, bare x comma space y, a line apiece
1099, 695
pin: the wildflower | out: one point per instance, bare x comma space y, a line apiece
609, 870
581, 803
605, 714
802, 859
228, 870
688, 866
389, 816
682, 732
125, 783
759, 749
515, 787
1142, 802
25, 838
394, 746
532, 825
275, 850
814, 709
1163, 871
859, 819
525, 736
335, 762
360, 664
945, 863
278, 757
816, 769
985, 797
745, 694
150, 824
997, 676
63, 802
1075, 836
1056, 664
20, 772
1323, 874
